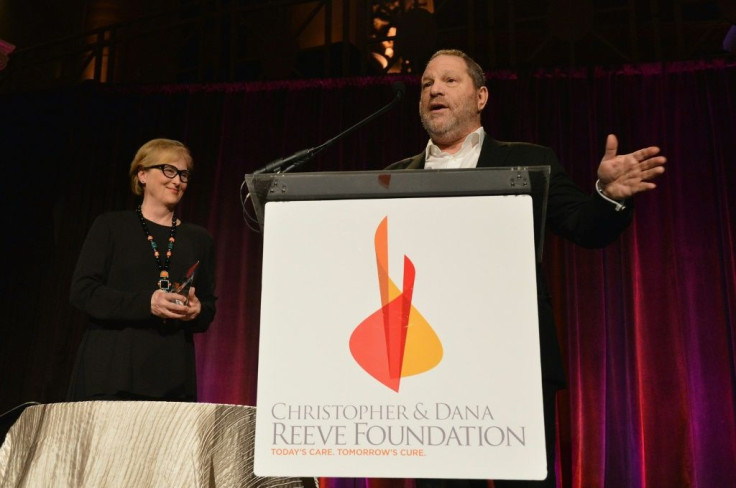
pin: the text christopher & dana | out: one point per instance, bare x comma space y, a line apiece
438, 424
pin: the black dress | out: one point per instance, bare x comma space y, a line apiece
126, 352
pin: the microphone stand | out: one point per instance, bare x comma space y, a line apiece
299, 158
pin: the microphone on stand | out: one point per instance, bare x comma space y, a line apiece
299, 158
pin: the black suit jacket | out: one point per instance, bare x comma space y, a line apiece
585, 219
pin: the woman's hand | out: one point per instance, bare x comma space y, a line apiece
169, 305
194, 306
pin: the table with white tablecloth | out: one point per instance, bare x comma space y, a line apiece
134, 444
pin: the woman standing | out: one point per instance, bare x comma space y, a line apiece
138, 343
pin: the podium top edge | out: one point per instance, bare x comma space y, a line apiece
498, 169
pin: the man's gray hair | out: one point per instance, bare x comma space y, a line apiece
474, 69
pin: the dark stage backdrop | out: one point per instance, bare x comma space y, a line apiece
647, 325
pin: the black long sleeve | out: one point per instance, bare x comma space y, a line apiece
125, 348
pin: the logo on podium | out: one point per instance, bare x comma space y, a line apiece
396, 340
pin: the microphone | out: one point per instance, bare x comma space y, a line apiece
301, 157
399, 89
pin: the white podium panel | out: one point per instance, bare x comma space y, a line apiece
399, 338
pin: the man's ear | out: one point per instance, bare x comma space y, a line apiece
482, 98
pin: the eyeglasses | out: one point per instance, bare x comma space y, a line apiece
171, 171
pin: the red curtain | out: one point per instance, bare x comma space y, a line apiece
647, 326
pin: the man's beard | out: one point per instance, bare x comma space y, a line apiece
447, 129
438, 128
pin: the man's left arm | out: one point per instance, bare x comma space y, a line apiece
596, 220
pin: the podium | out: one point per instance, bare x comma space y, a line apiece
413, 294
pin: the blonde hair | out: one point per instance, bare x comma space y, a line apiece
157, 151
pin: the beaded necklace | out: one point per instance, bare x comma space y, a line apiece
163, 282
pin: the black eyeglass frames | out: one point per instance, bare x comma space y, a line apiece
171, 171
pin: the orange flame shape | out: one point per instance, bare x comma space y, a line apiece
395, 341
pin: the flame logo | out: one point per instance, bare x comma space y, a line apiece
396, 340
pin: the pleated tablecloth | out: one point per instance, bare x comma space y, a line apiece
134, 444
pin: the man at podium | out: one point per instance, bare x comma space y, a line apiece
453, 95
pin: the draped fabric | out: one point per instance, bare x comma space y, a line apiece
647, 325
134, 444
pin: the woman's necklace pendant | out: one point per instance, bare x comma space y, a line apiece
163, 282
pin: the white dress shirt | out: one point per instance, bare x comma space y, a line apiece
466, 157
